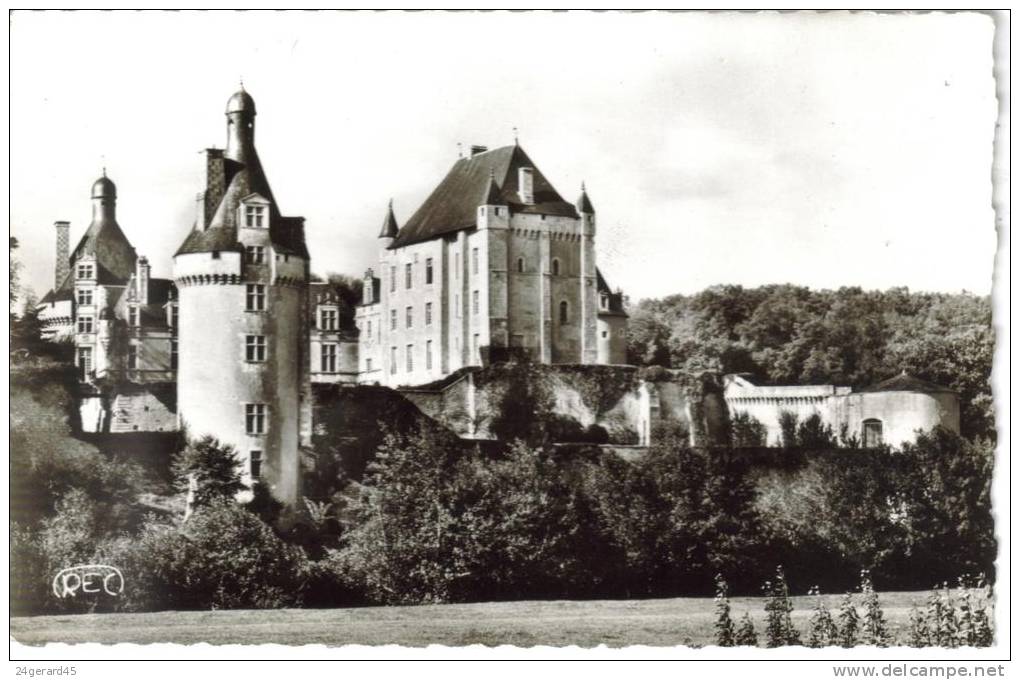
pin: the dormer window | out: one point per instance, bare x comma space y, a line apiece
255, 216
132, 316
86, 271
84, 296
327, 319
256, 254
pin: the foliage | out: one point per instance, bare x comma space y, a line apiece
779, 629
746, 635
725, 633
849, 622
746, 431
788, 334
948, 621
875, 631
208, 469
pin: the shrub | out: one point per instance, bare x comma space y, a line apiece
875, 632
725, 635
823, 631
779, 630
849, 622
746, 636
209, 471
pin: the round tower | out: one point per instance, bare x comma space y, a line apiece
242, 338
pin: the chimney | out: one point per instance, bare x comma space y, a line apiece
142, 281
526, 186
215, 181
369, 288
476, 149
62, 266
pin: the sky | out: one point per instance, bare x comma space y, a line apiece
823, 150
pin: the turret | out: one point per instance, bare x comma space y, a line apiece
104, 201
389, 227
584, 205
240, 127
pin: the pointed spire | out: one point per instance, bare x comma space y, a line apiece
492, 193
584, 205
389, 227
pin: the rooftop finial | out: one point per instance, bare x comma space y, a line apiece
241, 79
582, 186
515, 135
460, 153
102, 159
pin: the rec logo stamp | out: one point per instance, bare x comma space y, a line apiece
87, 579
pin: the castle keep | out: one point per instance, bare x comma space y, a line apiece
494, 266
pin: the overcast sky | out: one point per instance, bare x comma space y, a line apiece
824, 150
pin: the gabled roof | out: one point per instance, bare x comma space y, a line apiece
114, 255
453, 204
615, 299
905, 382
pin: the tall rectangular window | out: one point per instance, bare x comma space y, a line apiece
393, 319
474, 347
84, 296
327, 319
85, 361
428, 355
173, 355
368, 364
410, 358
86, 271
132, 316
254, 216
85, 324
255, 419
428, 313
173, 316
255, 465
393, 279
255, 348
408, 275
456, 266
329, 358
255, 299
132, 356
256, 254
474, 260
428, 270
368, 329
474, 302
393, 359
409, 317
456, 303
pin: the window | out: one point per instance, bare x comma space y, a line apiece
410, 358
173, 355
555, 267
872, 433
329, 358
173, 316
132, 356
84, 296
255, 465
255, 418
428, 355
393, 279
256, 254
85, 324
456, 303
215, 254
428, 313
393, 359
408, 275
393, 319
254, 216
327, 319
428, 270
85, 361
520, 265
255, 348
409, 317
456, 266
474, 347
368, 364
474, 302
474, 260
368, 329
564, 312
132, 316
86, 271
604, 301
605, 334
256, 297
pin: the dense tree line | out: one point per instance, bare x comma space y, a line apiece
787, 334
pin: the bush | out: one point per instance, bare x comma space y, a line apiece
746, 635
823, 631
208, 471
725, 634
779, 630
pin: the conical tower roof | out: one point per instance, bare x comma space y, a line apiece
389, 226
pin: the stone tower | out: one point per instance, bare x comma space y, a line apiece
242, 276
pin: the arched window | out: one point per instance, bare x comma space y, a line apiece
871, 433
555, 267
564, 312
520, 265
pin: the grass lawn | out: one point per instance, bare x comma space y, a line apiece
615, 623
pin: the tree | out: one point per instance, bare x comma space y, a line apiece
779, 630
207, 471
725, 633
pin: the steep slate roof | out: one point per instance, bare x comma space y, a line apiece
389, 225
615, 299
115, 257
906, 383
453, 204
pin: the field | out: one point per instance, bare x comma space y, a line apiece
615, 623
